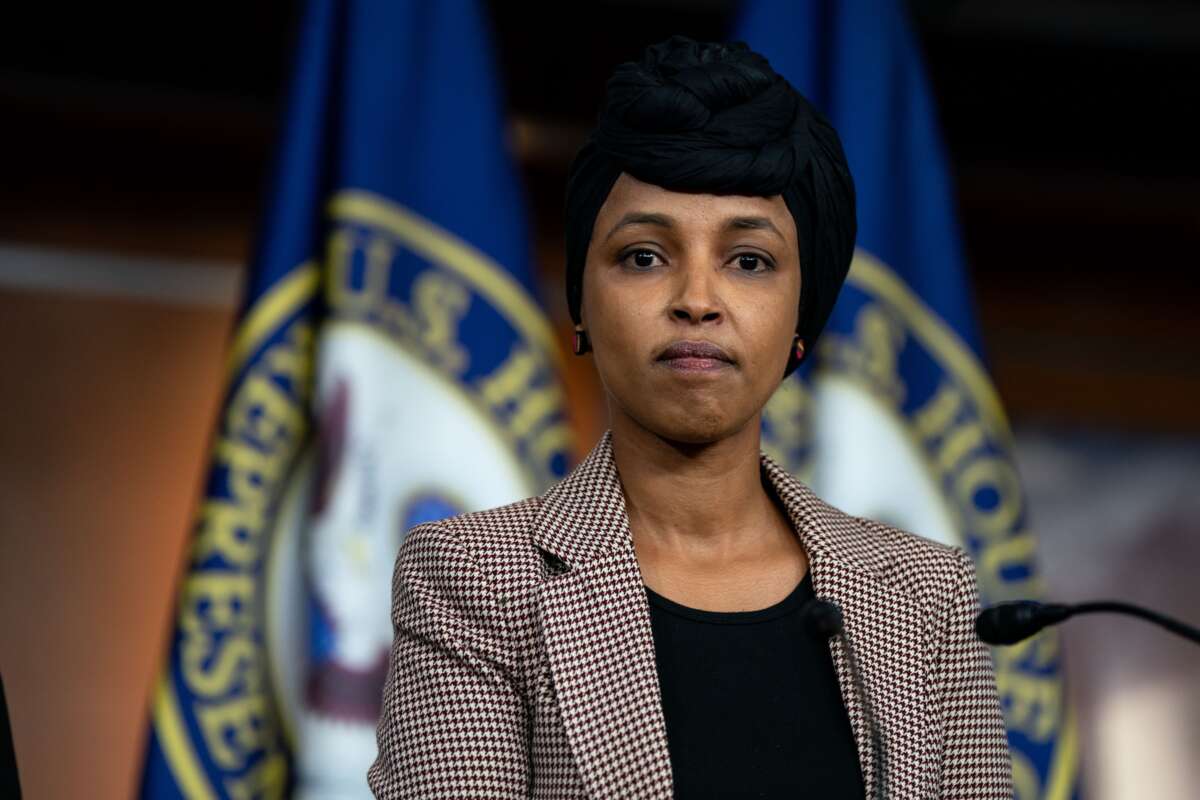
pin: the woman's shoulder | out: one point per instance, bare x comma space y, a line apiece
490, 543
909, 549
905, 559
913, 563
939, 578
484, 527
514, 516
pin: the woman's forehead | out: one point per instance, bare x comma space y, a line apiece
631, 199
629, 190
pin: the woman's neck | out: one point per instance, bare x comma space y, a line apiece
698, 503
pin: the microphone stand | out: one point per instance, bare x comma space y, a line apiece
1162, 620
1009, 623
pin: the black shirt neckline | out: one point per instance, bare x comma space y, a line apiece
797, 597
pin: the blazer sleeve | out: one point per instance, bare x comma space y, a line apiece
453, 722
975, 759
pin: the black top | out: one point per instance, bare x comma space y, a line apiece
752, 703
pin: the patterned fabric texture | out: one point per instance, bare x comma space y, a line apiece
523, 661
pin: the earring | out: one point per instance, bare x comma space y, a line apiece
799, 348
581, 343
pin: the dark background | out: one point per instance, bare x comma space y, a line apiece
1071, 128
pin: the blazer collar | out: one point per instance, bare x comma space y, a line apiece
583, 516
595, 627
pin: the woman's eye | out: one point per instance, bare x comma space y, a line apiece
640, 259
752, 262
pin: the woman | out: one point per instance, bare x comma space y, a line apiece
645, 628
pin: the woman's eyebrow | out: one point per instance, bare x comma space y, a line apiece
753, 224
641, 218
668, 222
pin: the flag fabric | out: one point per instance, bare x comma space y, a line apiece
894, 417
388, 345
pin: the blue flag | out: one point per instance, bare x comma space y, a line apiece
895, 417
389, 367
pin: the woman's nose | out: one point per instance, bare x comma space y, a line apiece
696, 297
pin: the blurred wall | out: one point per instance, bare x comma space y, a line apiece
109, 395
1118, 518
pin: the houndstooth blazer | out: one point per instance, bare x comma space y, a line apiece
523, 663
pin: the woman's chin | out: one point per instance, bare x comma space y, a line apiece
696, 414
696, 426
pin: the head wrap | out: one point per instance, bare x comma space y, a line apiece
715, 118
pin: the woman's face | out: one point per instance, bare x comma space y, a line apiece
690, 302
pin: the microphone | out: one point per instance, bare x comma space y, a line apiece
1009, 623
825, 619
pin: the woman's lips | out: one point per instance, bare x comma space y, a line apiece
695, 356
695, 365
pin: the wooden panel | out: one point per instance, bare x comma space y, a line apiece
107, 407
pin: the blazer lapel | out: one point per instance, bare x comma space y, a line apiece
883, 623
595, 624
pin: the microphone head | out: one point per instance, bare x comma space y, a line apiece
1009, 623
824, 618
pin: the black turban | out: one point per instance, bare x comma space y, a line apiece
715, 118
